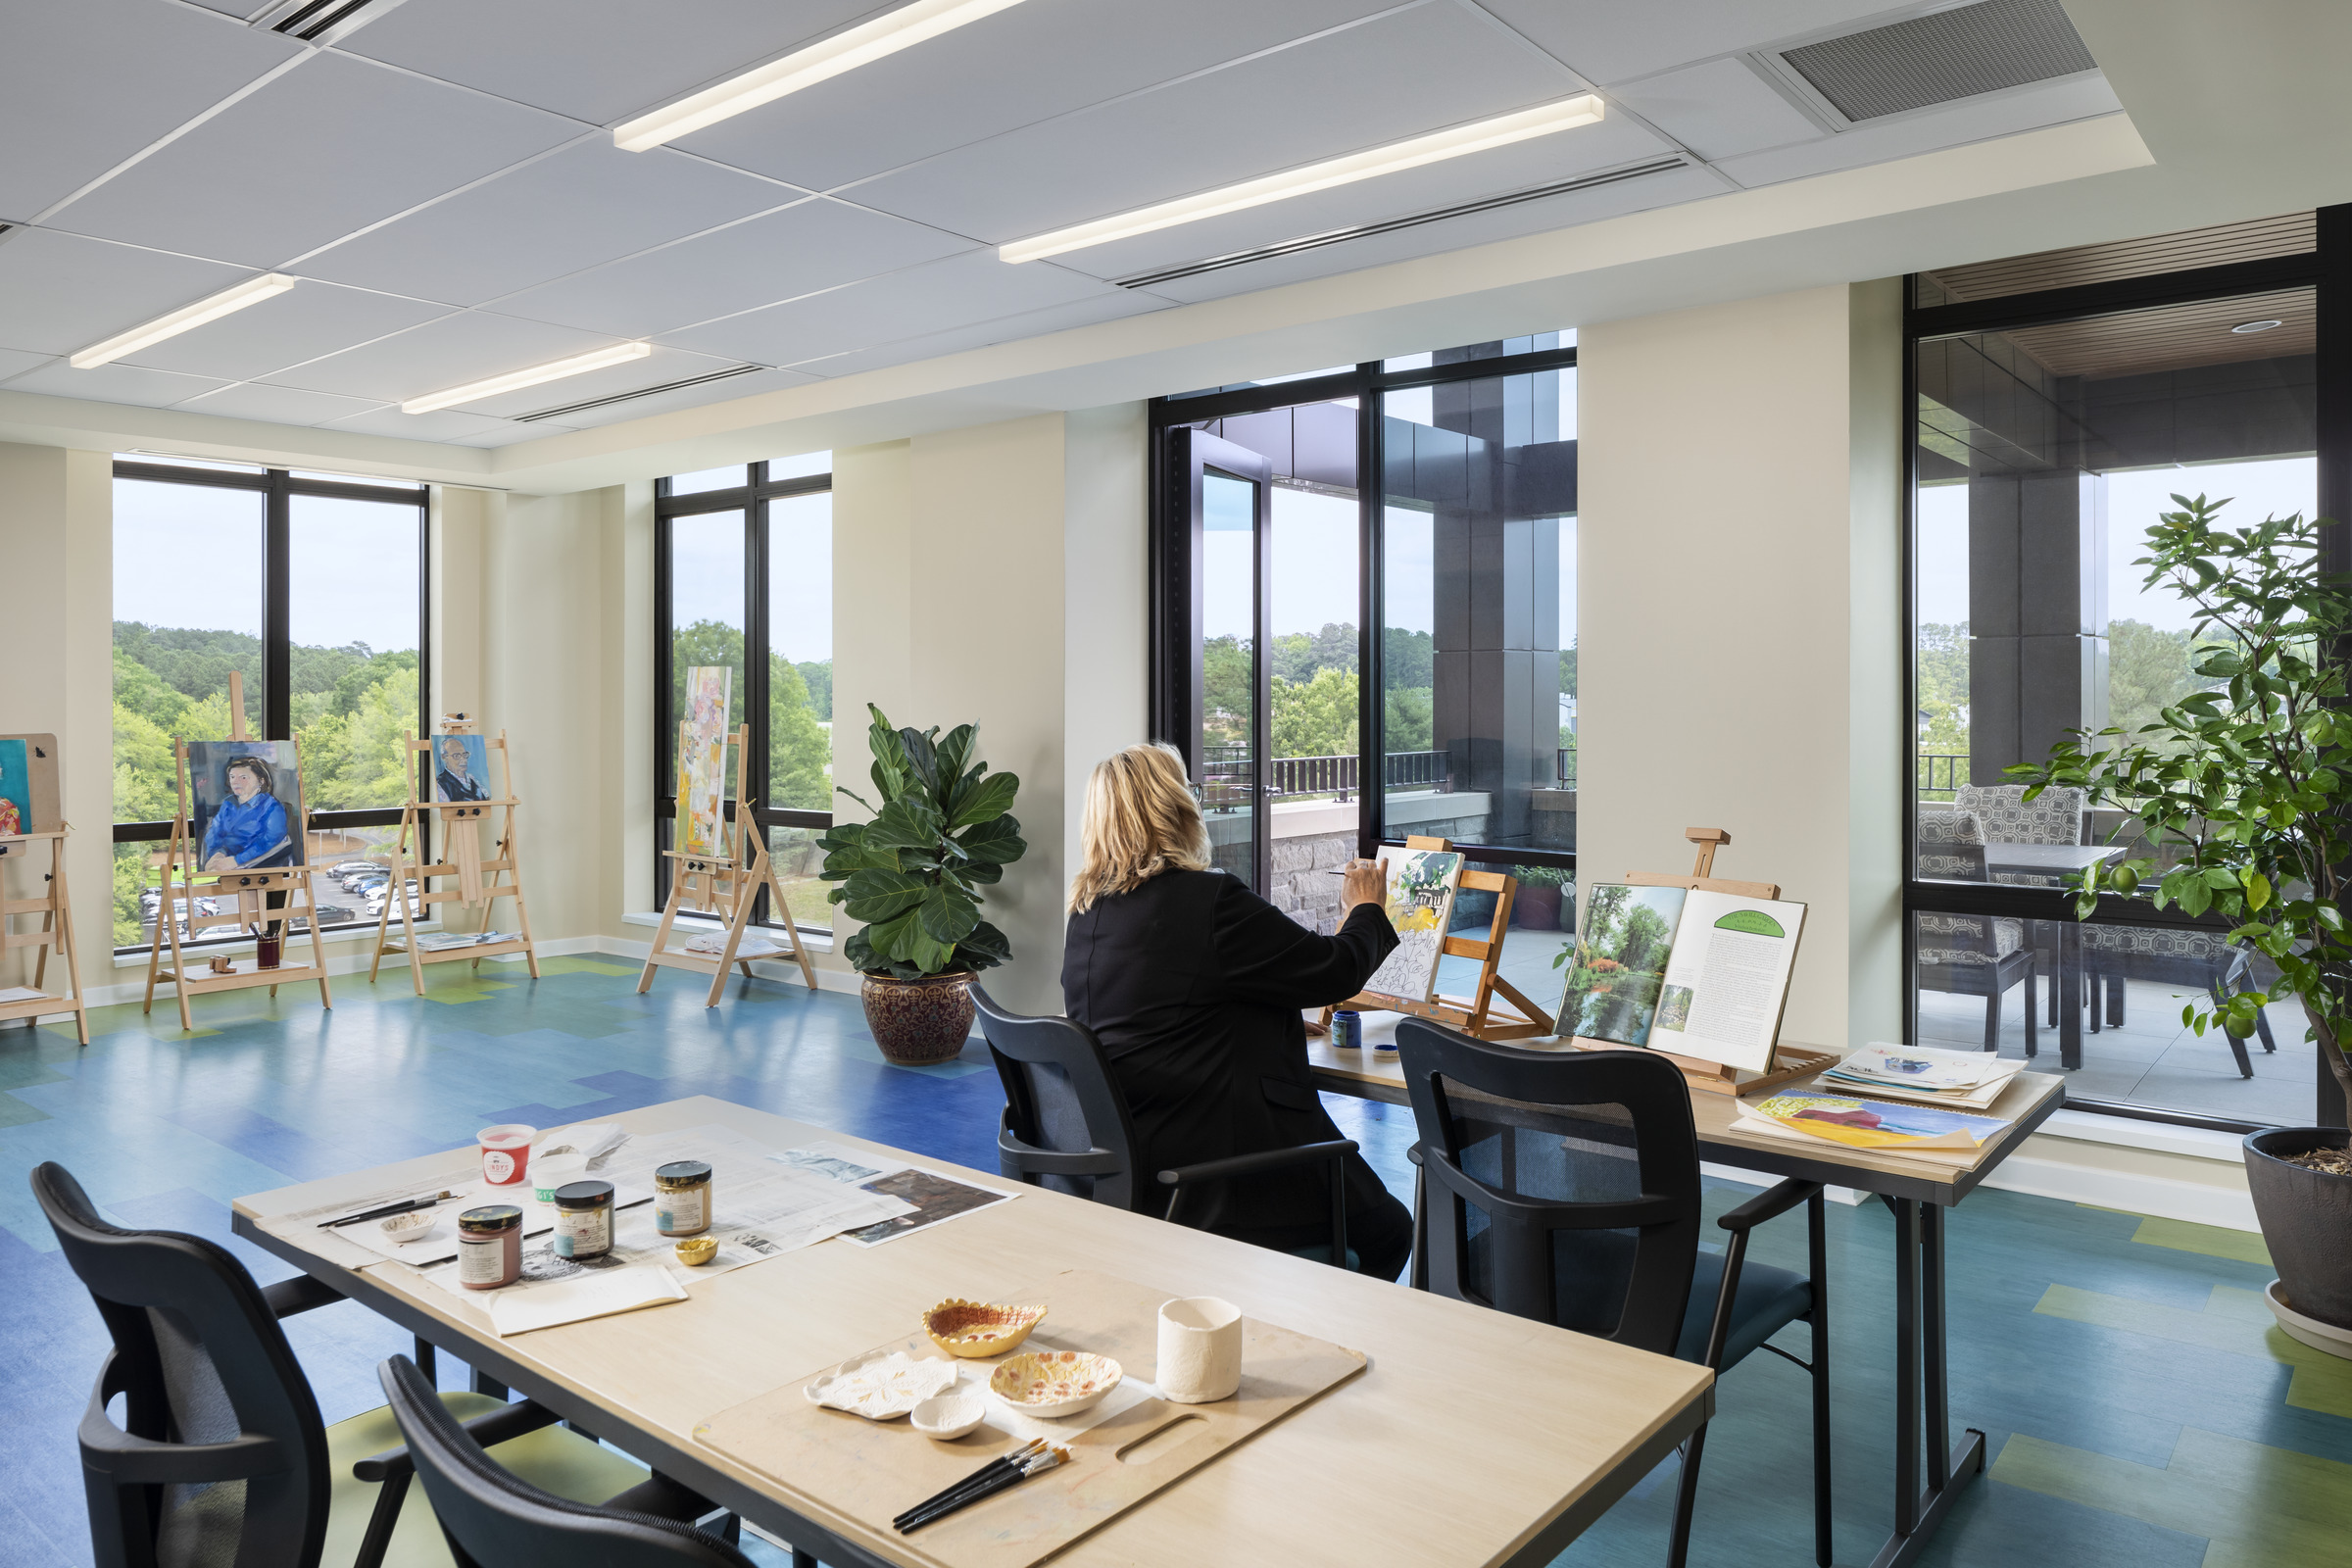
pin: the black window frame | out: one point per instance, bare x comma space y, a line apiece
2327, 270
278, 487
1171, 657
751, 499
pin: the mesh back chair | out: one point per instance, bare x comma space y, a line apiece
1971, 955
1565, 1188
493, 1519
1066, 1127
222, 1457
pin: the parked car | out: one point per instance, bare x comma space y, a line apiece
353, 867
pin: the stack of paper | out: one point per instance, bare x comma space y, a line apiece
443, 941
1882, 1127
1965, 1078
713, 943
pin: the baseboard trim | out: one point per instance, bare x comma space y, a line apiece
342, 958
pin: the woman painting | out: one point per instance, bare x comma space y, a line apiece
250, 827
1195, 983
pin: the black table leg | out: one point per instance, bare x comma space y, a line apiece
2070, 994
1923, 1393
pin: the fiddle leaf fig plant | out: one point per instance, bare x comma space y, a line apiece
913, 872
2242, 787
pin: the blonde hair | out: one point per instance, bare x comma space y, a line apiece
1141, 820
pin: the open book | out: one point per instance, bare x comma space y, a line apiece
1698, 973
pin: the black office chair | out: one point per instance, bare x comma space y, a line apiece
222, 1453
493, 1519
1066, 1127
1565, 1188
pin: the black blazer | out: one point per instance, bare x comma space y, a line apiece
1193, 984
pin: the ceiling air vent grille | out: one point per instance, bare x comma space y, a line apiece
641, 392
320, 22
1339, 236
1945, 56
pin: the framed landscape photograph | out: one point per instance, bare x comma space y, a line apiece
245, 808
1618, 966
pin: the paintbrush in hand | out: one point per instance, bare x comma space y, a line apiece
1038, 1464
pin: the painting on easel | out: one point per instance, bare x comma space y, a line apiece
247, 800
460, 768
703, 761
1420, 903
1619, 964
27, 785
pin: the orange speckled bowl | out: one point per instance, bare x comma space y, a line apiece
979, 1328
1055, 1383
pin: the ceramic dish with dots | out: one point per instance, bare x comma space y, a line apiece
979, 1328
1055, 1383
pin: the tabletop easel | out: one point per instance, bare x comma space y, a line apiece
1790, 1062
461, 841
56, 933
726, 885
1475, 1014
252, 887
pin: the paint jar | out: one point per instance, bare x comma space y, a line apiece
267, 948
682, 1197
583, 1219
551, 1171
489, 1246
506, 1153
1346, 1030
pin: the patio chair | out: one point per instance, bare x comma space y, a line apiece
2169, 955
1971, 955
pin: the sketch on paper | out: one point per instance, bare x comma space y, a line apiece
1421, 884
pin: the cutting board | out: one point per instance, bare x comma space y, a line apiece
871, 1471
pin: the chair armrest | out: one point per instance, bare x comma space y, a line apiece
1764, 1205
1214, 1170
300, 1294
488, 1429
125, 1460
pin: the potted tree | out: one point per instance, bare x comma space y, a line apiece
943, 829
2240, 792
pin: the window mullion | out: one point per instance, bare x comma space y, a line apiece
278, 657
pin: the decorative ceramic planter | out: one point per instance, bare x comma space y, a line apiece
2307, 1222
1536, 908
919, 1021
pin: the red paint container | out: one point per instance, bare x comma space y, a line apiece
506, 1153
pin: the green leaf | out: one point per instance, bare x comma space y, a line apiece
909, 822
949, 914
879, 896
984, 949
894, 939
956, 752
2258, 889
996, 841
922, 757
2195, 897
978, 799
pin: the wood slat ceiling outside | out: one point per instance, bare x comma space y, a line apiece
2288, 234
2175, 337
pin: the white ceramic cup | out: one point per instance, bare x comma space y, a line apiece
1200, 1350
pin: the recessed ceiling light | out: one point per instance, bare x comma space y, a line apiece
2256, 327
556, 371
803, 67
1582, 110
252, 291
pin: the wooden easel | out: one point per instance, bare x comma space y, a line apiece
56, 931
1476, 1013
460, 840
727, 885
1788, 1062
251, 887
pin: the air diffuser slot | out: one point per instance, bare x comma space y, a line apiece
641, 392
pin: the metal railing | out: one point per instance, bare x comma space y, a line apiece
1226, 773
1940, 774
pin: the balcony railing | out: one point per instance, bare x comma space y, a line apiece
1942, 773
1226, 774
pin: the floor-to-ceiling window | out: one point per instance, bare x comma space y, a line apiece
310, 588
1365, 622
2062, 400
743, 580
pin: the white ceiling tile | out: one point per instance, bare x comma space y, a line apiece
444, 424
586, 204
595, 60
1609, 41
1404, 75
974, 286
1110, 307
329, 147
658, 368
278, 405
1022, 65
233, 8
62, 292
507, 435
470, 346
2049, 103
1718, 110
307, 321
85, 85
686, 397
16, 362
113, 383
815, 245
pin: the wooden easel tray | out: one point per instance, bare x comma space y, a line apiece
868, 1471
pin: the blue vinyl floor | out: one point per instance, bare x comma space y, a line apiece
2142, 1410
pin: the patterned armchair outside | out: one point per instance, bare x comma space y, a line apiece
1969, 954
2005, 816
1951, 847
2169, 955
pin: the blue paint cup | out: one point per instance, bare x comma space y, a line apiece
1348, 1031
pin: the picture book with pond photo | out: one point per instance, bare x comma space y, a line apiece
1698, 973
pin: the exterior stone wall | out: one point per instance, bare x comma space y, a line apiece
1304, 886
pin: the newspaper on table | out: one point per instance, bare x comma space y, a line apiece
929, 1198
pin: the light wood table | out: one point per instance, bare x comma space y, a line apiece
1472, 1437
1918, 1194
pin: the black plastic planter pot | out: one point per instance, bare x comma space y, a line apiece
2306, 1220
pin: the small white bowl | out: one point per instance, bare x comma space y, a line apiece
948, 1416
414, 1226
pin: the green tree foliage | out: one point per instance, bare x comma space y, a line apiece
1297, 656
1225, 691
2148, 670
1317, 717
1409, 722
1942, 678
1408, 659
818, 675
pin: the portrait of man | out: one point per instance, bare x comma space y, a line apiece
461, 771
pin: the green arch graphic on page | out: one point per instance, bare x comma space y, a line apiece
1754, 922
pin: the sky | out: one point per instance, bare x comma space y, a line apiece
705, 574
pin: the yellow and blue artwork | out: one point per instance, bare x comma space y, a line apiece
703, 761
1421, 884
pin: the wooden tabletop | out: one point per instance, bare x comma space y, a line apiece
1369, 1073
1473, 1438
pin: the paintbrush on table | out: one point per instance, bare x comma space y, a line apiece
1035, 1464
388, 1211
1001, 1464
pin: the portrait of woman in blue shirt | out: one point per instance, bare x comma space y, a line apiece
250, 827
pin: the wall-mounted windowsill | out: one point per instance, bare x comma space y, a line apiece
815, 939
242, 948
2130, 1132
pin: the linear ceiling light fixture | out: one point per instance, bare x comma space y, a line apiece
1582, 110
252, 291
515, 380
861, 45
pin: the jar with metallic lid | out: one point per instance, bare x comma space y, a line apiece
583, 1219
489, 1246
682, 1197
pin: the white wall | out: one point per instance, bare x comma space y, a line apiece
1739, 505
